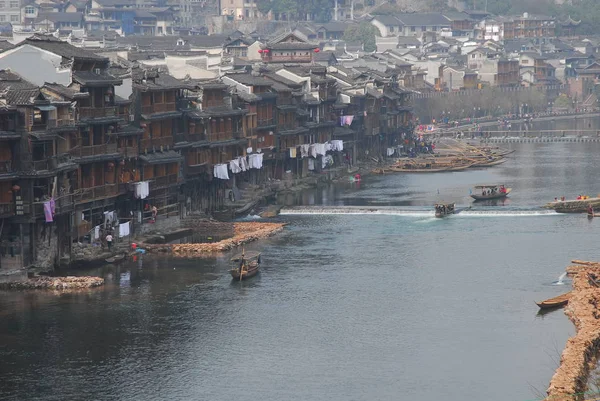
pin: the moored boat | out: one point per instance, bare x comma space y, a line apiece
248, 266
490, 191
555, 302
443, 209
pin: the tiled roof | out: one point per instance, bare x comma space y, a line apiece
170, 42
61, 17
18, 90
249, 79
161, 82
426, 19
64, 49
222, 111
64, 92
91, 78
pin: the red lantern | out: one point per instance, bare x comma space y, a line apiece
266, 50
111, 164
317, 50
16, 188
260, 51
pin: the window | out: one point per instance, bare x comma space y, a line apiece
472, 56
14, 18
434, 28
14, 4
412, 29
29, 10
2, 18
2, 4
423, 28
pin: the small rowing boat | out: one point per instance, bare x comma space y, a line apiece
248, 266
555, 302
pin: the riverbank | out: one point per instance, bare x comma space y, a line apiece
53, 283
580, 353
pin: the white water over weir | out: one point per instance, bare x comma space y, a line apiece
408, 212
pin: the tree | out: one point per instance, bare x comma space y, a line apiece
364, 33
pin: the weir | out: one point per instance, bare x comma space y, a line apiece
409, 212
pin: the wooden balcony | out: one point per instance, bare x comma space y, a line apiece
165, 181
196, 169
96, 150
265, 122
7, 209
63, 204
129, 151
150, 143
97, 112
96, 193
220, 136
159, 108
6, 166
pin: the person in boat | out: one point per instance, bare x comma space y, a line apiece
502, 189
590, 210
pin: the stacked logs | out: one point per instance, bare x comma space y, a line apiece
579, 355
53, 283
243, 233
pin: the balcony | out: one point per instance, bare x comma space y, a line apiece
159, 108
266, 122
6, 166
165, 181
96, 193
129, 151
97, 112
51, 163
221, 136
7, 209
96, 150
149, 143
63, 204
197, 169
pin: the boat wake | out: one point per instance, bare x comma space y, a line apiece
414, 212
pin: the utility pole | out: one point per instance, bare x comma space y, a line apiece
352, 10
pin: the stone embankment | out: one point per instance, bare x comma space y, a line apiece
580, 353
53, 283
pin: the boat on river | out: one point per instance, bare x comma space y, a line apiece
573, 206
555, 302
490, 191
248, 266
444, 209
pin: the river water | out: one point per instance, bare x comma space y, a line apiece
387, 303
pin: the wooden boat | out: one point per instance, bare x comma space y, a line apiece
115, 259
444, 209
555, 302
497, 191
489, 163
248, 266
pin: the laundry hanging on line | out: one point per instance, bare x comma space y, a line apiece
255, 160
142, 190
234, 166
123, 230
220, 171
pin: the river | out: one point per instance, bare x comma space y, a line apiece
385, 305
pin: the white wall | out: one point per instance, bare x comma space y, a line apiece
36, 65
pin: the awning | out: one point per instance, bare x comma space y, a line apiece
45, 108
169, 156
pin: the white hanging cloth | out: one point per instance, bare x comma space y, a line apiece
220, 171
337, 145
97, 232
312, 150
320, 149
311, 164
243, 163
327, 147
142, 190
255, 160
304, 150
326, 160
123, 230
234, 165
390, 151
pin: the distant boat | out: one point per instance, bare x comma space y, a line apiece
248, 266
444, 209
488, 192
555, 302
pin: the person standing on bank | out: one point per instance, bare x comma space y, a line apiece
109, 239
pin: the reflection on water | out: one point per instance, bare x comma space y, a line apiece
369, 306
